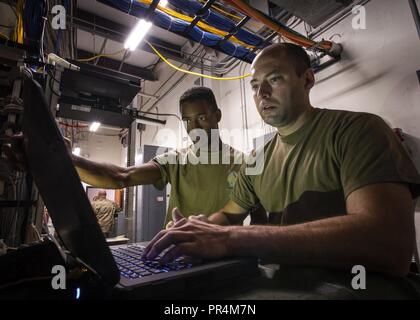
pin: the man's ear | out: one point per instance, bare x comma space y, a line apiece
309, 77
218, 115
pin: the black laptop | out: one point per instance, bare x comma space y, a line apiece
118, 267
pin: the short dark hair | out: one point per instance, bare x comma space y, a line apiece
299, 56
199, 93
295, 53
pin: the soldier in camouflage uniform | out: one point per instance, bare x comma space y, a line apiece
104, 210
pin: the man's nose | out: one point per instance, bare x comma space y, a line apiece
194, 124
264, 91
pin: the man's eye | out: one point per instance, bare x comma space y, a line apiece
202, 118
275, 79
254, 87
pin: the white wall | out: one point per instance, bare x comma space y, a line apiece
378, 72
102, 148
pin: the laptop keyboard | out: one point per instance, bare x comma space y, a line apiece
130, 265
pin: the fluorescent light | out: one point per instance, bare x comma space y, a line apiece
163, 3
76, 151
94, 126
137, 34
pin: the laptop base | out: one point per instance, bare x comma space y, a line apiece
194, 285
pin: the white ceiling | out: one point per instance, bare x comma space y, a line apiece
93, 43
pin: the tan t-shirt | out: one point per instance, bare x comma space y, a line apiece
104, 210
308, 174
198, 186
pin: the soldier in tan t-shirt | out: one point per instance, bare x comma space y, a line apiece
195, 188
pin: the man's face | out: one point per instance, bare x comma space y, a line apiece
199, 115
279, 93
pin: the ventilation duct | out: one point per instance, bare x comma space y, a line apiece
314, 12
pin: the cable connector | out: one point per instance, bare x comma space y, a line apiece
335, 50
53, 58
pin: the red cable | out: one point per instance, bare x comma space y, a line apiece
303, 41
73, 126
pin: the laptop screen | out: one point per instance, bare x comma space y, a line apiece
59, 185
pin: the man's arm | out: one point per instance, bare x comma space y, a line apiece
110, 176
102, 175
377, 232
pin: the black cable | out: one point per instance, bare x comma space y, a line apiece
51, 87
162, 114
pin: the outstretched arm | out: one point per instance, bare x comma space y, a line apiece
110, 176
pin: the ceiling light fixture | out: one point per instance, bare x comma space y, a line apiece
76, 151
94, 126
137, 34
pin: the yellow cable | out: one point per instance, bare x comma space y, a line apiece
200, 24
18, 33
191, 72
188, 19
215, 7
100, 55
